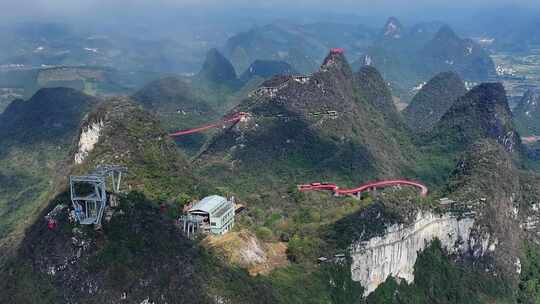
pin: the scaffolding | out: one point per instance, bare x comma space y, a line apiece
89, 193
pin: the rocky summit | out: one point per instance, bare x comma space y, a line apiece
393, 28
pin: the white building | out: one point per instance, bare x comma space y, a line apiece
218, 213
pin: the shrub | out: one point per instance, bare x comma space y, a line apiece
263, 233
303, 249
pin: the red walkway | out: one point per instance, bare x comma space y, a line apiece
372, 185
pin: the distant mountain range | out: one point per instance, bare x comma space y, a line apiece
405, 56
508, 29
301, 46
413, 56
446, 51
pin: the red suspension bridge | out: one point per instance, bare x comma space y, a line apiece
232, 120
366, 187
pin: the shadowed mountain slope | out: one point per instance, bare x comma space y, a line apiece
433, 100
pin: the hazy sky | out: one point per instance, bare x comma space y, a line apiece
24, 9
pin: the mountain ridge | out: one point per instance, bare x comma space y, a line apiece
288, 115
527, 113
482, 113
433, 100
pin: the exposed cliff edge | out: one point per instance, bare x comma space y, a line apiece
480, 228
88, 139
395, 252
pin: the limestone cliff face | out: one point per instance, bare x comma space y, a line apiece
495, 210
88, 139
395, 252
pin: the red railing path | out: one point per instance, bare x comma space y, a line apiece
372, 185
236, 118
315, 186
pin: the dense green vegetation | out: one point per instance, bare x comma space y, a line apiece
50, 115
394, 66
134, 138
140, 243
34, 135
372, 88
21, 278
283, 140
26, 184
529, 286
179, 106
526, 114
260, 161
482, 113
290, 139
